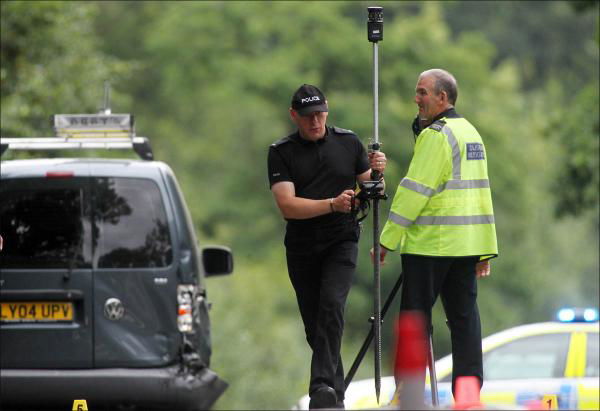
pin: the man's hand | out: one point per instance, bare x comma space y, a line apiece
483, 269
382, 254
342, 203
377, 161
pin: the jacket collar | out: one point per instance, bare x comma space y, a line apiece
449, 113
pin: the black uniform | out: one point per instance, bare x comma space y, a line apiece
321, 251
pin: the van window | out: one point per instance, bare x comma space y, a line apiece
131, 224
44, 223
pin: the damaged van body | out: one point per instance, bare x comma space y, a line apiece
102, 287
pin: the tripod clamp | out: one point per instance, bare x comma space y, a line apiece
368, 190
372, 319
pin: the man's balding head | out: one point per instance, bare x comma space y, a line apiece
444, 81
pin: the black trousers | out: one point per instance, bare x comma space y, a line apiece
321, 266
454, 279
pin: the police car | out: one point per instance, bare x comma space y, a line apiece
102, 285
542, 361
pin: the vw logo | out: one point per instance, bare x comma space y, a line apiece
113, 309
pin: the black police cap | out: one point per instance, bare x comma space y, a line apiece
308, 99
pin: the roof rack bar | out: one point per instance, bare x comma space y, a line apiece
140, 145
86, 131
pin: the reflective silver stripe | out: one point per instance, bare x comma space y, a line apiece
463, 184
455, 152
417, 187
455, 220
398, 219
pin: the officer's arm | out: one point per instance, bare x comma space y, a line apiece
301, 208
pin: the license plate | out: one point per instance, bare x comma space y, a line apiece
36, 311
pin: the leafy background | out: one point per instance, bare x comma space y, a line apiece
210, 84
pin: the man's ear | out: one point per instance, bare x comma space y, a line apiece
444, 97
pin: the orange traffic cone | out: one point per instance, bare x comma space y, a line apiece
467, 394
536, 405
411, 359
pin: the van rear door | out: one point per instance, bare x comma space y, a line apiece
135, 275
45, 272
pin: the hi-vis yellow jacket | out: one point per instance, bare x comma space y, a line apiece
443, 207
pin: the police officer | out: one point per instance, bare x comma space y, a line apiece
313, 173
442, 219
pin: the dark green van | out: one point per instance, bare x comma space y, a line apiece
102, 288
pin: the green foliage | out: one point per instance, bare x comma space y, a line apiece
257, 350
50, 63
547, 38
578, 133
210, 84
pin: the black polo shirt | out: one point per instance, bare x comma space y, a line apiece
319, 169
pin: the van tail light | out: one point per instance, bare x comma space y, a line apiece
59, 174
186, 295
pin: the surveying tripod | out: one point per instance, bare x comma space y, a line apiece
369, 339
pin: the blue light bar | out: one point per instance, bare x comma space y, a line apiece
590, 315
566, 315
569, 315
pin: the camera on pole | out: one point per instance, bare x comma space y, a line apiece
373, 191
374, 188
375, 24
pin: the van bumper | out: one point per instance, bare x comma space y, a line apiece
148, 388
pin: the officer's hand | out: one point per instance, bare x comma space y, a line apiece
342, 202
382, 254
377, 161
483, 269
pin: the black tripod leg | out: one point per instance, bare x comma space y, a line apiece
365, 347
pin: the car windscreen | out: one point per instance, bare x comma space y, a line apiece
131, 222
45, 223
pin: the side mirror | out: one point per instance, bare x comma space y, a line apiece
217, 260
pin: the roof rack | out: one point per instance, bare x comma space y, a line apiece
86, 131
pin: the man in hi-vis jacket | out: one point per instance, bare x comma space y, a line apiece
442, 221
